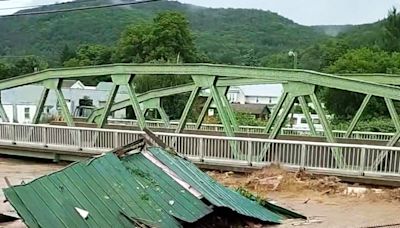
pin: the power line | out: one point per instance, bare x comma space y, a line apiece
78, 9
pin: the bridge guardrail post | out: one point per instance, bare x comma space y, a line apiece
79, 134
201, 149
362, 162
116, 143
303, 157
249, 152
44, 133
14, 134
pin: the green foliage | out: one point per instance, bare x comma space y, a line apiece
366, 60
223, 35
168, 39
89, 55
371, 125
245, 119
21, 66
392, 31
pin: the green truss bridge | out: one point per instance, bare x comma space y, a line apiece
299, 86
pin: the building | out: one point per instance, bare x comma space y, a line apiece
259, 111
268, 94
20, 103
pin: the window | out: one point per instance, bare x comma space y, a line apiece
303, 120
316, 121
27, 112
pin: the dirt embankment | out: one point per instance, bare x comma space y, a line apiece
275, 180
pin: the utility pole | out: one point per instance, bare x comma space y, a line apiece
294, 55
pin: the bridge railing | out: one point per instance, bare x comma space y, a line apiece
379, 136
317, 156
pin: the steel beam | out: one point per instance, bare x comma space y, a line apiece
3, 113
282, 118
384, 154
393, 113
222, 111
306, 112
164, 116
203, 112
63, 105
357, 116
228, 108
40, 106
136, 106
107, 107
327, 129
275, 112
186, 110
277, 75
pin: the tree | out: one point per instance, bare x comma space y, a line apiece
391, 35
88, 55
167, 38
5, 70
28, 65
66, 54
344, 104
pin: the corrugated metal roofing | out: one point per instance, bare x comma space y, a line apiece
152, 187
109, 191
214, 192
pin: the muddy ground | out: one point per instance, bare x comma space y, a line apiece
324, 200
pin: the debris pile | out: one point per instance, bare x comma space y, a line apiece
273, 178
149, 187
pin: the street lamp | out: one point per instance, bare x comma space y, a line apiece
294, 54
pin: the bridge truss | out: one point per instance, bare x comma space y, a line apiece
298, 85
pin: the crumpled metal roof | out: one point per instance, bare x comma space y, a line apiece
152, 188
214, 192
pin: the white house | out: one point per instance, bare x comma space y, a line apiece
268, 94
20, 103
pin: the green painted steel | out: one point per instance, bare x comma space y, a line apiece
164, 116
66, 114
40, 106
102, 186
107, 107
287, 106
214, 192
203, 112
306, 111
357, 116
186, 110
140, 187
136, 106
127, 80
272, 74
3, 113
157, 93
393, 113
276, 111
327, 130
228, 108
389, 79
55, 85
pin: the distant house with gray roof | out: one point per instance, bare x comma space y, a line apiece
267, 94
20, 103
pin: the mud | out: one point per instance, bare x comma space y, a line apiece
322, 199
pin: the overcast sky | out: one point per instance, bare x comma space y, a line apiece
306, 12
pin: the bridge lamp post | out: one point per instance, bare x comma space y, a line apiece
294, 55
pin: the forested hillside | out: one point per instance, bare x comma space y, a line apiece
224, 35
